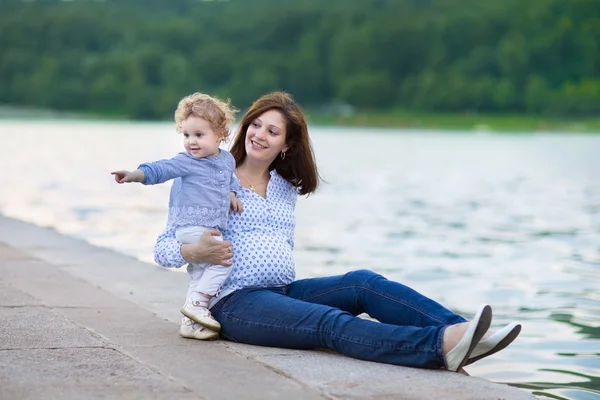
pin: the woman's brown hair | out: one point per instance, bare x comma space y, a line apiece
299, 166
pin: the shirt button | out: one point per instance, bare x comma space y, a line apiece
222, 185
220, 172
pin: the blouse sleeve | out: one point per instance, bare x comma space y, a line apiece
167, 250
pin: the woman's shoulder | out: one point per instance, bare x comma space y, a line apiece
284, 185
280, 180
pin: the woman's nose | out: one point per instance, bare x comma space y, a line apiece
260, 133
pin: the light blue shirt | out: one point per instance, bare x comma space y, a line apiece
200, 190
262, 237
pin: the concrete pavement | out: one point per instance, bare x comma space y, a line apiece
79, 321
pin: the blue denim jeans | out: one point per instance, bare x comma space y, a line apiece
321, 313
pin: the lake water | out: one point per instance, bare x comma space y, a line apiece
466, 218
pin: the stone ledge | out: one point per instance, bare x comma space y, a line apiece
133, 306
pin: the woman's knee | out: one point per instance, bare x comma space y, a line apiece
363, 276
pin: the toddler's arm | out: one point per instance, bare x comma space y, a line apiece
234, 183
236, 204
165, 170
156, 172
129, 176
235, 187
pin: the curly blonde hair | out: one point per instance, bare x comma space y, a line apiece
220, 114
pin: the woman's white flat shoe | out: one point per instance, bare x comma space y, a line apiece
459, 355
495, 342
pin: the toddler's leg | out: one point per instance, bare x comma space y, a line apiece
196, 305
212, 278
190, 329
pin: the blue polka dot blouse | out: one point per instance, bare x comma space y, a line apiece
262, 237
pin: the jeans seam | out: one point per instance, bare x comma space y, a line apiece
345, 338
400, 301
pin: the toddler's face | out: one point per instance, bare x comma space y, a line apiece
198, 137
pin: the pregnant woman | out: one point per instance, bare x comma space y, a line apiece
261, 303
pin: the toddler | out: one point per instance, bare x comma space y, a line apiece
203, 191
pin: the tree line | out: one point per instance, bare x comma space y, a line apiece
137, 58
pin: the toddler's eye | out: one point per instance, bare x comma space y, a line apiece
186, 135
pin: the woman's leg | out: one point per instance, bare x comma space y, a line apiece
270, 318
364, 291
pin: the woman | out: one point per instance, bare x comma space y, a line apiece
262, 304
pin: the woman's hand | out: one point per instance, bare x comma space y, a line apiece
208, 250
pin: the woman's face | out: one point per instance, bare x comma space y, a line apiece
265, 137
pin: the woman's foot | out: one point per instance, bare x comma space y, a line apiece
460, 339
495, 342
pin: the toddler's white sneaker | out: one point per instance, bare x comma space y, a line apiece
197, 312
190, 330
